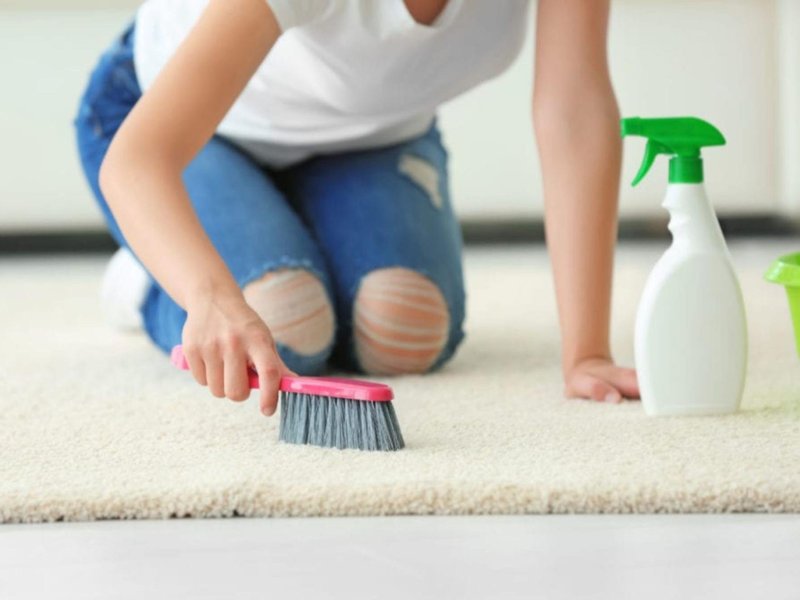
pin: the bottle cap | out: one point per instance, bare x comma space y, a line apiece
678, 137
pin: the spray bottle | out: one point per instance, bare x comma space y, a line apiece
691, 332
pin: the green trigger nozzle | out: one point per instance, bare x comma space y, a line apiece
678, 137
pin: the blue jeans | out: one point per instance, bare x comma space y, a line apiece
339, 216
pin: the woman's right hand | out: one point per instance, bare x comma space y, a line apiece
222, 337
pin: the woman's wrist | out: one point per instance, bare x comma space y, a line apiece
573, 360
219, 291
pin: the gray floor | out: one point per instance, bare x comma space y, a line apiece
652, 557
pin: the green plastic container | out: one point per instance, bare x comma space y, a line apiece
786, 271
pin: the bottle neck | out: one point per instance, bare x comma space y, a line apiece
692, 223
686, 169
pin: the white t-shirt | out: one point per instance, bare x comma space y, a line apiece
346, 74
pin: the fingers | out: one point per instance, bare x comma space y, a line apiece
214, 371
224, 372
196, 364
269, 380
626, 382
237, 384
584, 385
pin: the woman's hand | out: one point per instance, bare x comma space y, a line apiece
221, 338
600, 379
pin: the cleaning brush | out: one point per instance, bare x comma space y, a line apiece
332, 412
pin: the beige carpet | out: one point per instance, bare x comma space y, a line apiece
94, 424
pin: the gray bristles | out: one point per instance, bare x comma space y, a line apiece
339, 422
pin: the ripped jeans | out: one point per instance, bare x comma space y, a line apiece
340, 217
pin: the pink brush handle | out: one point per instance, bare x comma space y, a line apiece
338, 387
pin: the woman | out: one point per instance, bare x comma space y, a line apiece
275, 167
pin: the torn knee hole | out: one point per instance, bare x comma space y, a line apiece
295, 306
401, 322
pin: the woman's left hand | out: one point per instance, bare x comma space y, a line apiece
601, 380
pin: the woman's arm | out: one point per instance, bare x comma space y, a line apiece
141, 180
576, 119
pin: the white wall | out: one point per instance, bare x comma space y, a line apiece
733, 62
46, 59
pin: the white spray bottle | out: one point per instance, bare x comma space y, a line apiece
691, 330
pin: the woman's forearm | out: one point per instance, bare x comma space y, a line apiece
580, 153
141, 172
577, 129
155, 215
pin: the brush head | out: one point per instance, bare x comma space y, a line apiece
334, 412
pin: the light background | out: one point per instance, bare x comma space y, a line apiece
734, 62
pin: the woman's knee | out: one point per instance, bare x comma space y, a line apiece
295, 306
401, 322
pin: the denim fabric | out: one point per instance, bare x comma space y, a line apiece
339, 216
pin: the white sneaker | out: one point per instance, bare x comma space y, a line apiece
124, 289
